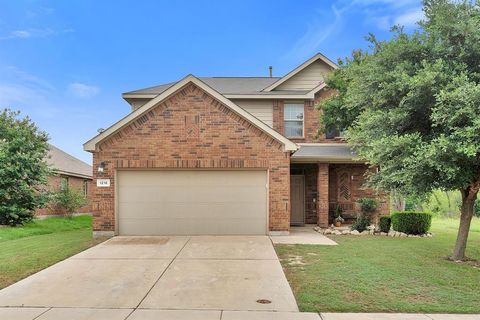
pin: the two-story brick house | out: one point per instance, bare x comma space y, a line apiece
219, 155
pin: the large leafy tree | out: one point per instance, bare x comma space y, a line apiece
23, 171
411, 106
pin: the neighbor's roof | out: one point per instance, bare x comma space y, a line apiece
331, 152
66, 164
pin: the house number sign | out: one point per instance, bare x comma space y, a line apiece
103, 182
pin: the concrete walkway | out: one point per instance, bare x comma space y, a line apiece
303, 235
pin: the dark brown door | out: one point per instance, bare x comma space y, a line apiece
297, 196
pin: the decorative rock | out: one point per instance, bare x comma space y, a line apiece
403, 234
317, 228
355, 232
383, 234
327, 231
336, 232
363, 233
346, 231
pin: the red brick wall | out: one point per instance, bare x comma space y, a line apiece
311, 119
322, 187
54, 183
358, 189
192, 130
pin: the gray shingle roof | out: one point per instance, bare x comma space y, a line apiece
66, 164
328, 152
227, 85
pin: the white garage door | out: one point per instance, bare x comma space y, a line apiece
192, 202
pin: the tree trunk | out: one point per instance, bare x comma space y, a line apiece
468, 201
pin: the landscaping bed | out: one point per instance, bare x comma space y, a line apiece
386, 274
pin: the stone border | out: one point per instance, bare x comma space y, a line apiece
371, 230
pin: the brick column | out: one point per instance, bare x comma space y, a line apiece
322, 192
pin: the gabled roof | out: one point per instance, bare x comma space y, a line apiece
316, 57
243, 87
63, 163
91, 144
224, 85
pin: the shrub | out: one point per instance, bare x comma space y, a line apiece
361, 223
411, 222
23, 171
385, 223
476, 211
367, 206
68, 200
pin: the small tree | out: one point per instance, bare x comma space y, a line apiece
68, 200
23, 171
411, 106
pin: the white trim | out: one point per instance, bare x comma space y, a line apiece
302, 103
91, 144
316, 57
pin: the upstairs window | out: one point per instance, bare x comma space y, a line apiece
293, 120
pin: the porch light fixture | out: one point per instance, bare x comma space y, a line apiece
101, 167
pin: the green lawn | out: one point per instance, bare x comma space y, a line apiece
383, 274
41, 243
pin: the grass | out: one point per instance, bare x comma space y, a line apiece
383, 274
41, 243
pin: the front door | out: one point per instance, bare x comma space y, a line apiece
297, 196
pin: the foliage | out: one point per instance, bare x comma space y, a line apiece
367, 206
68, 200
338, 214
361, 223
385, 223
445, 204
477, 208
411, 222
411, 106
23, 172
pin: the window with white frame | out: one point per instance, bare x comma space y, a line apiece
293, 119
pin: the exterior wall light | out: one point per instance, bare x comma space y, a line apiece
101, 167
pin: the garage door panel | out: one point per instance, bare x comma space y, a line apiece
196, 193
192, 202
159, 210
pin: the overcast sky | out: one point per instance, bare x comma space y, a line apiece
66, 63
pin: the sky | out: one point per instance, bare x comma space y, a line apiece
65, 64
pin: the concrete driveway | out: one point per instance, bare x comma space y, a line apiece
151, 277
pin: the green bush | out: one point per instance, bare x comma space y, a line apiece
367, 206
361, 223
68, 200
411, 222
385, 223
476, 211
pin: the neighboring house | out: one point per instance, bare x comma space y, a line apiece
224, 155
68, 171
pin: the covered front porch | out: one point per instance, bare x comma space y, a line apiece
324, 177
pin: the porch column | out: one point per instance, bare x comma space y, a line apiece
322, 195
